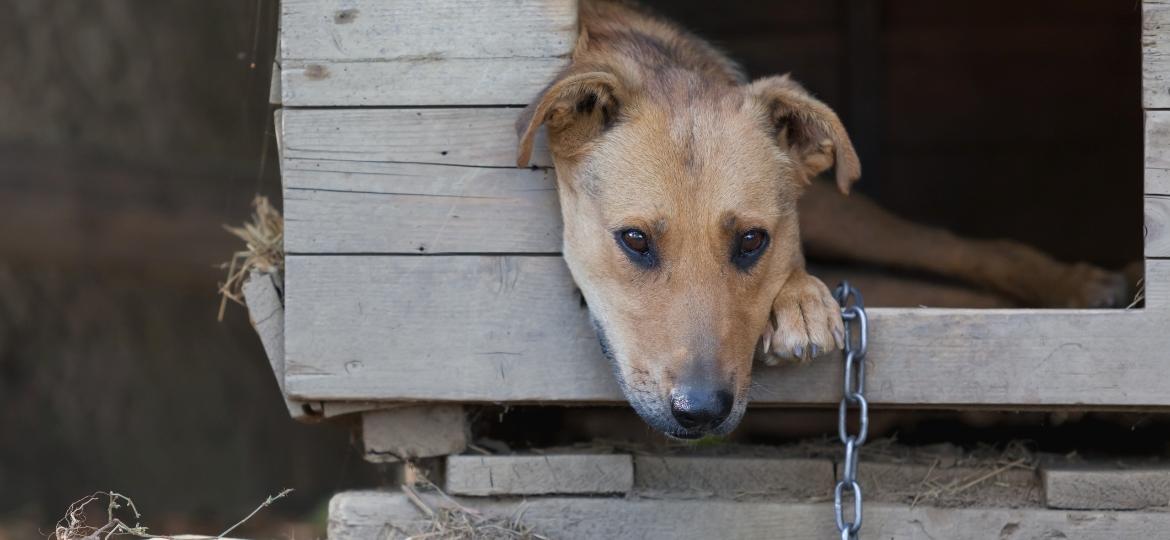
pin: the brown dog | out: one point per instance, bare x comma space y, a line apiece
679, 181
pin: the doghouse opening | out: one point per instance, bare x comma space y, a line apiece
994, 120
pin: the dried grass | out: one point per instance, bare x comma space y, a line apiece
1140, 295
74, 526
450, 520
263, 238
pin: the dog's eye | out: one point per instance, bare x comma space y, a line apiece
636, 241
751, 241
748, 247
638, 247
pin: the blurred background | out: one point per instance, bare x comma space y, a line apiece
132, 130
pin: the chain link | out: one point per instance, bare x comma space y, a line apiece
852, 398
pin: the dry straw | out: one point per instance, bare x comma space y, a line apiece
449, 520
263, 238
74, 527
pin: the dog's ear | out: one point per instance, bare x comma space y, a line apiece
807, 128
575, 108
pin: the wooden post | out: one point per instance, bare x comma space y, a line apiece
414, 431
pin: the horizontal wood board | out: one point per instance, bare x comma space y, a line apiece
422, 52
511, 329
368, 514
1156, 54
443, 181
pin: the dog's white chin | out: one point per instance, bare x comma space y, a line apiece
655, 410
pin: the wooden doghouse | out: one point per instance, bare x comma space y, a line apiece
423, 274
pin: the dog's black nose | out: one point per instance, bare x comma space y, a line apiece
700, 409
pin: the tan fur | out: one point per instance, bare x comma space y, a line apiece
652, 129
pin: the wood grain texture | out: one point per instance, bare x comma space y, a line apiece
422, 52
540, 474
1106, 488
362, 515
355, 174
1155, 54
685, 476
376, 207
266, 311
471, 137
410, 181
1158, 152
1157, 228
510, 329
414, 431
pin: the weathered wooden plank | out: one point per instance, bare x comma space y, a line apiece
343, 206
414, 431
472, 326
362, 515
944, 482
278, 131
335, 206
266, 311
382, 160
540, 474
274, 85
417, 82
388, 29
1106, 488
510, 328
670, 476
422, 52
1157, 145
353, 175
1157, 227
1156, 54
474, 137
369, 207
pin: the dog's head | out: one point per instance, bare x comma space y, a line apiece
680, 226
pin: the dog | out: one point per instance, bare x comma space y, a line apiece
686, 192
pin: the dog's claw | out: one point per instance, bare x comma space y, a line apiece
808, 321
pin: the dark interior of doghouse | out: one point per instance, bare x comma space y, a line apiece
993, 119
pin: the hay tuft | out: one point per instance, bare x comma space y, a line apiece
263, 238
450, 520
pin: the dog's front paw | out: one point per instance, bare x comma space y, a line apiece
805, 322
1086, 286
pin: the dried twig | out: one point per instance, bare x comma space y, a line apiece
1140, 295
267, 502
73, 526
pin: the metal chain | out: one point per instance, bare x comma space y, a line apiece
853, 398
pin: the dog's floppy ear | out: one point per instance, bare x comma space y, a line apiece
575, 108
808, 129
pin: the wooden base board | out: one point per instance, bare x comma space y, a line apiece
361, 515
1111, 487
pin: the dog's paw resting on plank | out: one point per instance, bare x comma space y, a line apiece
805, 322
678, 182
